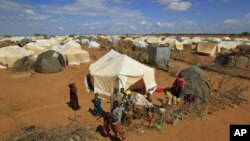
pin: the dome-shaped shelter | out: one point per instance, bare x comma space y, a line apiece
49, 62
191, 81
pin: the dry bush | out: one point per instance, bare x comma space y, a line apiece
73, 132
23, 64
173, 68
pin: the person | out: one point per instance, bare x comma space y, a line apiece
73, 97
171, 99
150, 106
117, 113
118, 96
126, 101
97, 105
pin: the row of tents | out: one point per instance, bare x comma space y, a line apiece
71, 52
212, 49
179, 43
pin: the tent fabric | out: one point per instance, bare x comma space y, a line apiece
57, 47
153, 40
170, 42
140, 100
196, 40
49, 62
74, 55
196, 84
115, 70
35, 48
44, 43
93, 44
140, 44
84, 41
10, 54
216, 40
71, 43
207, 48
228, 45
226, 39
241, 39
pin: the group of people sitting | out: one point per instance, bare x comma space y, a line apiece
122, 103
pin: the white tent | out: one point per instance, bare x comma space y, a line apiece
129, 39
35, 48
93, 44
72, 43
153, 40
115, 70
10, 54
44, 43
241, 39
196, 40
169, 41
84, 41
228, 45
208, 48
187, 42
140, 44
57, 47
173, 43
226, 39
74, 55
216, 40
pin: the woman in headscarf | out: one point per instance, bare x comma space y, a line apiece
73, 97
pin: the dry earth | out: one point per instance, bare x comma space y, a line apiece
42, 100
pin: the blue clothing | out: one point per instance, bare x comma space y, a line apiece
97, 106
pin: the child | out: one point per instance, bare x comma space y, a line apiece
97, 105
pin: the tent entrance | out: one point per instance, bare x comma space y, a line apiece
139, 87
90, 82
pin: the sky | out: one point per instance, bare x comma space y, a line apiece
26, 17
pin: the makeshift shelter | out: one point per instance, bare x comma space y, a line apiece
195, 84
228, 45
10, 54
74, 55
115, 71
159, 56
207, 48
49, 62
93, 44
140, 44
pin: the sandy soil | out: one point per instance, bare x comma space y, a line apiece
42, 100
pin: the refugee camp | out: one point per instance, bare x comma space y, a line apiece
117, 70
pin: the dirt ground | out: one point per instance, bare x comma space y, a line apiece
42, 100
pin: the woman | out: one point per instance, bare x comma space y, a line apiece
73, 97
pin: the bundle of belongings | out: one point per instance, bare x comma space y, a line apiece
140, 100
191, 85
